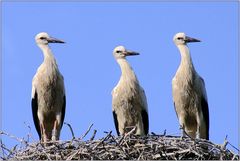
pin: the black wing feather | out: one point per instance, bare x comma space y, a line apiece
205, 115
145, 121
116, 122
34, 113
63, 110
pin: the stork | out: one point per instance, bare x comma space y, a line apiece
48, 93
129, 103
189, 93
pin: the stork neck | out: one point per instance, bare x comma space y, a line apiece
127, 72
48, 56
186, 60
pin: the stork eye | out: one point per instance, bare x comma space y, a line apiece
118, 51
42, 38
180, 38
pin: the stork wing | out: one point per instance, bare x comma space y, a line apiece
35, 110
145, 121
205, 111
116, 122
204, 104
114, 100
63, 110
144, 112
203, 89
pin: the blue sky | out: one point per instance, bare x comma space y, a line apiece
91, 31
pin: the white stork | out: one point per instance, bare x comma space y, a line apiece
48, 93
129, 103
189, 93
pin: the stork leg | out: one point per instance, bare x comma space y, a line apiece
199, 125
182, 128
56, 128
139, 128
55, 135
44, 134
198, 132
186, 134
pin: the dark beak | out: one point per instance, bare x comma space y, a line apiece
54, 40
189, 39
130, 53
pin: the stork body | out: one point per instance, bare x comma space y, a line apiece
129, 103
48, 93
189, 93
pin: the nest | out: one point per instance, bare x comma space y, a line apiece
127, 147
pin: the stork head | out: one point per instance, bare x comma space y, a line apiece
43, 39
120, 52
181, 39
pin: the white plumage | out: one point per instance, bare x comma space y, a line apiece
48, 93
129, 103
189, 93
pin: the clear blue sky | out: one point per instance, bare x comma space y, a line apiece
91, 31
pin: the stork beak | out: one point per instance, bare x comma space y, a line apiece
189, 39
54, 40
130, 53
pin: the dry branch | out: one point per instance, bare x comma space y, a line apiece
128, 147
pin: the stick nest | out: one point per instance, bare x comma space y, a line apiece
128, 147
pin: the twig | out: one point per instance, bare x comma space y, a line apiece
3, 153
14, 137
132, 147
70, 127
106, 137
223, 146
89, 128
127, 134
93, 136
29, 132
234, 147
